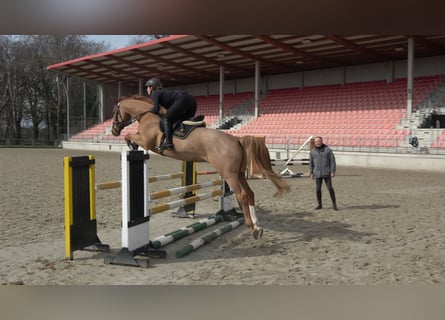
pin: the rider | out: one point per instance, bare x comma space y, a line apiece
180, 105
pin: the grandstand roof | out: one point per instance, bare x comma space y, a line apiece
187, 59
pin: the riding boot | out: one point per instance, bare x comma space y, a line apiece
168, 144
318, 200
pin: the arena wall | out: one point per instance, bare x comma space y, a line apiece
418, 162
396, 161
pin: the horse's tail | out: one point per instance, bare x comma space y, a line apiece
257, 151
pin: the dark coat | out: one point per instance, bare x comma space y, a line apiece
165, 98
322, 162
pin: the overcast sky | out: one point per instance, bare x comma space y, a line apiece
115, 41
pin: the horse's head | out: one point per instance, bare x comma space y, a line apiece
121, 119
128, 110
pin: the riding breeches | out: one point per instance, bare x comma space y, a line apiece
183, 108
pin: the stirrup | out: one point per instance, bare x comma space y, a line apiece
164, 146
167, 146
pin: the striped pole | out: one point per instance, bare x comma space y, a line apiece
108, 185
167, 176
118, 184
195, 244
183, 202
203, 173
178, 190
184, 231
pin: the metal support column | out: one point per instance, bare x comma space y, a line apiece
257, 88
409, 103
221, 93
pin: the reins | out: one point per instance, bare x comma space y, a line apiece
124, 124
143, 114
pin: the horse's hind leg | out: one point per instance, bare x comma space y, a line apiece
246, 200
257, 230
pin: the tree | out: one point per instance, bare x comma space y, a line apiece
13, 78
145, 38
30, 96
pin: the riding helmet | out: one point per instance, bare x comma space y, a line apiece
154, 82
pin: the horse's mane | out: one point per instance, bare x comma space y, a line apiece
137, 97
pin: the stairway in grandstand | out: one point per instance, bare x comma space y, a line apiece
428, 133
371, 114
236, 107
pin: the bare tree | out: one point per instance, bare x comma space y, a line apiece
13, 78
145, 38
30, 96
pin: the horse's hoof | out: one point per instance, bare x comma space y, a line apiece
133, 146
257, 233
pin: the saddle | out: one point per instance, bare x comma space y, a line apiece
182, 128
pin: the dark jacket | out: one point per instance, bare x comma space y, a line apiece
165, 98
322, 162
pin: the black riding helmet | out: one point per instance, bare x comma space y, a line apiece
154, 83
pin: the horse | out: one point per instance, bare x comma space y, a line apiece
226, 153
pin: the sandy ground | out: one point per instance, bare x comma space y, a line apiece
389, 230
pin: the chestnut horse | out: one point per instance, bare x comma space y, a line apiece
226, 153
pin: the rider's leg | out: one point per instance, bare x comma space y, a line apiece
168, 144
183, 108
318, 182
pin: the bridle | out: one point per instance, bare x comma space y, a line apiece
118, 119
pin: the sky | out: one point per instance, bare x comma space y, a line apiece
115, 41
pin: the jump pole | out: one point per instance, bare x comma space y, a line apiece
226, 208
184, 231
179, 190
288, 172
197, 243
118, 184
190, 177
167, 176
183, 202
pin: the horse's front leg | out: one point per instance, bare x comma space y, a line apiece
134, 140
132, 145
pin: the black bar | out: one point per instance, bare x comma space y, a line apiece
136, 184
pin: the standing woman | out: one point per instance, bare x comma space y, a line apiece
180, 105
322, 166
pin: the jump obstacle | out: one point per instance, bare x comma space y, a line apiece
80, 198
288, 173
188, 175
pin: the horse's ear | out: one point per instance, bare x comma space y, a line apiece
114, 99
118, 99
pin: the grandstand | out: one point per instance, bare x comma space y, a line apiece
367, 116
371, 97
